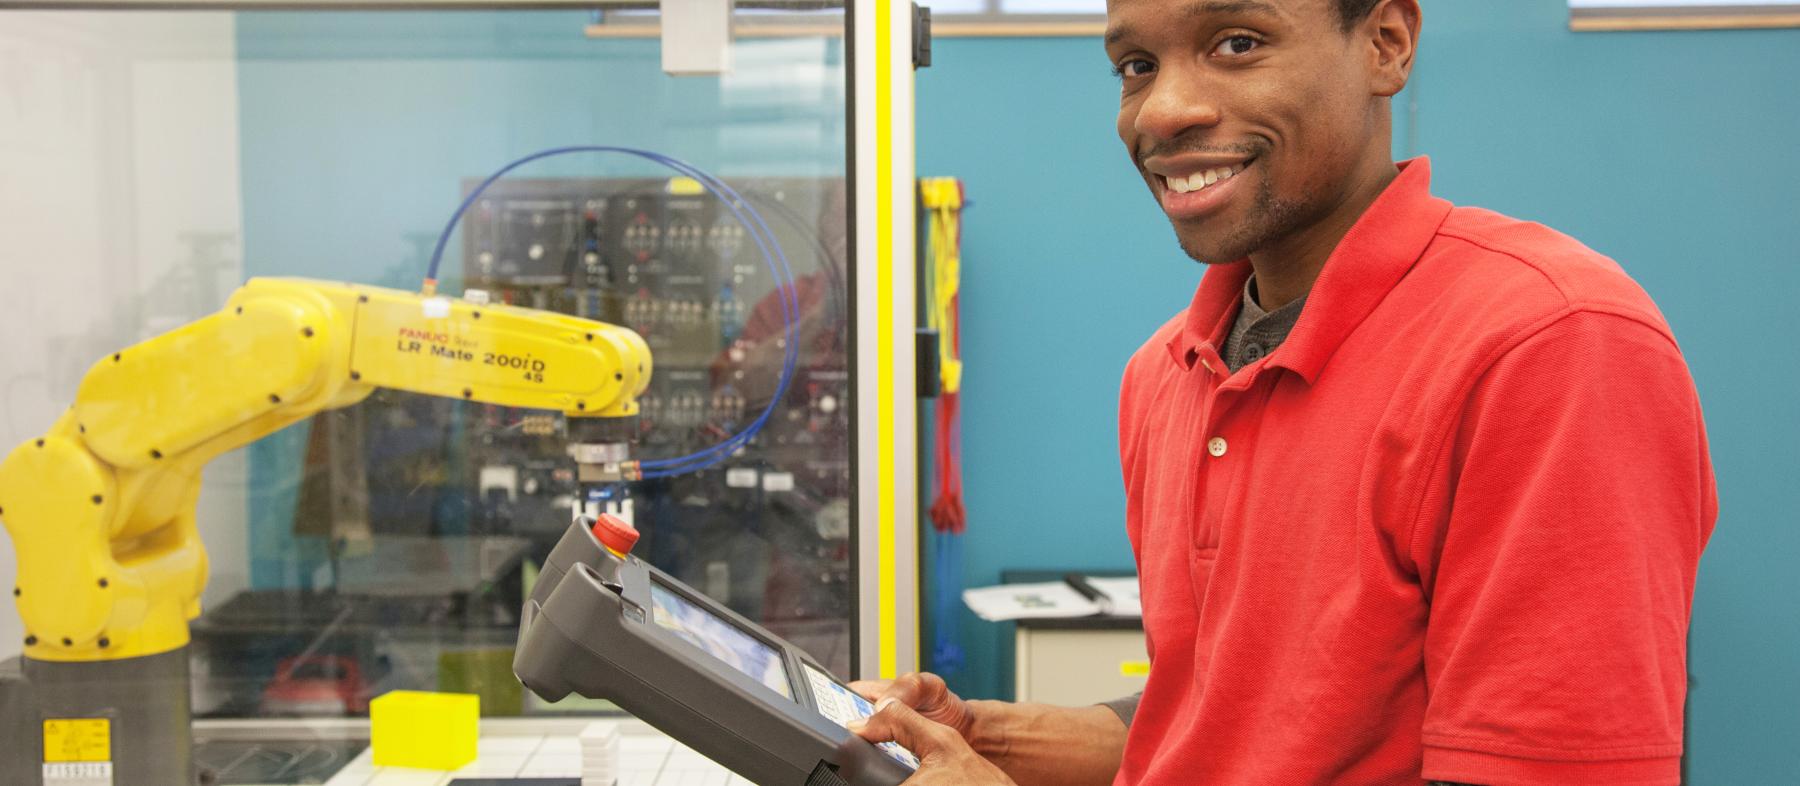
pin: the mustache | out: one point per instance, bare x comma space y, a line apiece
1193, 143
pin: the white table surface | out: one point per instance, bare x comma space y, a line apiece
646, 758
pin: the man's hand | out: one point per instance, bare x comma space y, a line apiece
998, 741
927, 695
945, 758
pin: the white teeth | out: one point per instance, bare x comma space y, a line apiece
1199, 180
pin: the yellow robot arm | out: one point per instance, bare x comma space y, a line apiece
101, 508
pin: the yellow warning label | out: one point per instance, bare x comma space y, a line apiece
685, 186
1134, 668
77, 739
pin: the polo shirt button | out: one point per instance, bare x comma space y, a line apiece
1216, 446
1253, 353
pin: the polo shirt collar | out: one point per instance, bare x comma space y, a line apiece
1374, 255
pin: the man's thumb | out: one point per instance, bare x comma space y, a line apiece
894, 721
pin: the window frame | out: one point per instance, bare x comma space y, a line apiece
1643, 15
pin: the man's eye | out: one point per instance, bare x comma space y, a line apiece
1134, 67
1236, 45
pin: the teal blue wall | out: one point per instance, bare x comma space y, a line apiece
357, 130
1673, 152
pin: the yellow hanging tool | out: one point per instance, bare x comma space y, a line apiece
943, 201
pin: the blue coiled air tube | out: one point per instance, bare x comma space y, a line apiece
753, 225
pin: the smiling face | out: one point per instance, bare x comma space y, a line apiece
1254, 122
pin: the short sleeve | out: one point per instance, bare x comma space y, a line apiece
1125, 707
1560, 563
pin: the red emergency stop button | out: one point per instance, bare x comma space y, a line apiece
617, 536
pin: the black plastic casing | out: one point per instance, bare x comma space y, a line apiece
587, 629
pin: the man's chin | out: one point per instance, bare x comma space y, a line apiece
1207, 250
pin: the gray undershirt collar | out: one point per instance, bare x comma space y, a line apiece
1256, 333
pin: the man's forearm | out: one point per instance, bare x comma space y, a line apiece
1050, 745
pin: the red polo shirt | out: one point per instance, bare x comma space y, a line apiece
1446, 531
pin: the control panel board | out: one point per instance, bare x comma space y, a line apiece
765, 531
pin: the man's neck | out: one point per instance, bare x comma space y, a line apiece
1286, 270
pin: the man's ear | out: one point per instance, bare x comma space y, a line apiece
1392, 32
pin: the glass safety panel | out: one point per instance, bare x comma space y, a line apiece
153, 162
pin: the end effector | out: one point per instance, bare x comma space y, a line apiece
601, 447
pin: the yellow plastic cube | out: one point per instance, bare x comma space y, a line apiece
429, 731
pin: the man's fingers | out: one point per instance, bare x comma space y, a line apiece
896, 722
915, 690
872, 690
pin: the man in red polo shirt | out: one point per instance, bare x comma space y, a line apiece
1417, 492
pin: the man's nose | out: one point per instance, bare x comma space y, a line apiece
1180, 100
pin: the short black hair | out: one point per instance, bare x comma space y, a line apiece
1352, 11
